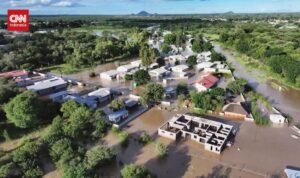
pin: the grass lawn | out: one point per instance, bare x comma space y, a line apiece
63, 69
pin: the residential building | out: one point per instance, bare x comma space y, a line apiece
207, 82
101, 95
159, 72
213, 135
15, 74
180, 68
117, 116
126, 68
109, 75
48, 86
177, 58
204, 56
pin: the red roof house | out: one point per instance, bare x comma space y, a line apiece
15, 74
206, 82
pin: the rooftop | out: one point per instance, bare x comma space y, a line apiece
208, 81
56, 81
15, 73
102, 92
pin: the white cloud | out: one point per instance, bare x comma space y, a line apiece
53, 3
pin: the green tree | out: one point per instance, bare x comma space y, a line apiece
191, 61
153, 93
141, 77
148, 55
100, 122
117, 104
170, 39
7, 90
182, 89
237, 86
68, 108
77, 121
133, 171
98, 156
161, 150
165, 48
23, 110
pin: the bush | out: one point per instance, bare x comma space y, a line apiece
123, 135
128, 77
92, 74
145, 138
98, 156
191, 61
133, 171
161, 150
141, 77
117, 104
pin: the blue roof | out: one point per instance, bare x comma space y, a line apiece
113, 116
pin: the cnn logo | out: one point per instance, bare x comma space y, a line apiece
18, 20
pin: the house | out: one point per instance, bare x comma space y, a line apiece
292, 172
90, 102
204, 56
126, 68
206, 83
15, 74
117, 116
277, 119
204, 65
159, 72
173, 59
212, 134
109, 75
48, 86
137, 63
180, 68
101, 95
59, 96
23, 82
235, 111
130, 103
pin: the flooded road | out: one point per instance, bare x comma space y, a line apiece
287, 100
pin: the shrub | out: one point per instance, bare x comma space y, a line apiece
128, 77
145, 138
133, 171
161, 150
92, 74
98, 156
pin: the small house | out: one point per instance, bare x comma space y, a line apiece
48, 86
180, 68
15, 74
126, 68
177, 58
101, 95
206, 83
117, 116
204, 56
137, 63
159, 72
109, 75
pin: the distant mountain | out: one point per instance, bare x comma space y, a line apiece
229, 13
143, 13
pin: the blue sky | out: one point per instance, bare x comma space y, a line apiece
152, 6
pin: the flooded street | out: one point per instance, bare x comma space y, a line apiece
287, 100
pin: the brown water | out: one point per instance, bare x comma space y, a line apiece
287, 100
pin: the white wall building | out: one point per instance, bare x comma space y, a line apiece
109, 75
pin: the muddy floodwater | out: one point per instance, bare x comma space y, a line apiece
287, 100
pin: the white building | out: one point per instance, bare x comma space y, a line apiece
277, 119
159, 72
181, 59
48, 86
180, 68
213, 135
102, 94
204, 56
204, 65
126, 68
109, 75
137, 63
